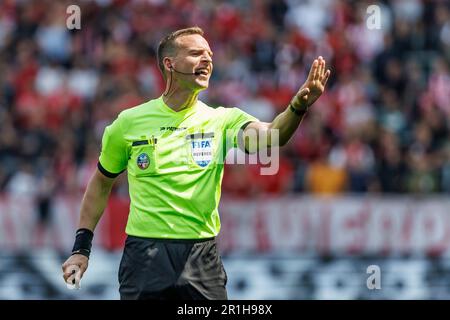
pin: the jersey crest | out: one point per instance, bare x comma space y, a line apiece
143, 161
201, 150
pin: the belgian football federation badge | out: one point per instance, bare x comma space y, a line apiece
143, 161
202, 151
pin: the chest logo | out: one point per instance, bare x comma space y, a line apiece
201, 150
143, 161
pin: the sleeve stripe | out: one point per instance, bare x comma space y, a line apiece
241, 131
246, 124
106, 172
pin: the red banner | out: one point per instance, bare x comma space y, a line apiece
341, 225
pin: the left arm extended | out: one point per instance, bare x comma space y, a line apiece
288, 121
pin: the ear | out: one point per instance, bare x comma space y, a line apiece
167, 64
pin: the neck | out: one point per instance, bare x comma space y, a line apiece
179, 99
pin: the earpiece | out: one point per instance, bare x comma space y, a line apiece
197, 73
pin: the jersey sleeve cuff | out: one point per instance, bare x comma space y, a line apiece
241, 132
246, 124
106, 173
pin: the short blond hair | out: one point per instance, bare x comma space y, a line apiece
167, 46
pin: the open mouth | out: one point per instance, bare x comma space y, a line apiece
202, 71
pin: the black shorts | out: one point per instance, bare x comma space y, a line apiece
171, 269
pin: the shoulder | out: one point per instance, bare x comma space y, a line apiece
217, 111
136, 111
128, 117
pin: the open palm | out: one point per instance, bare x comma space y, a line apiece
313, 87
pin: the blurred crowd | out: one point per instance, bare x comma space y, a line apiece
381, 127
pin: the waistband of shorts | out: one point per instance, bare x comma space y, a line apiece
171, 240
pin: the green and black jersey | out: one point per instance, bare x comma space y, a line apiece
175, 166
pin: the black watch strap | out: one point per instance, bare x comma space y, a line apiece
83, 252
299, 113
83, 242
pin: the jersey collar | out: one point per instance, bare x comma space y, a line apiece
167, 109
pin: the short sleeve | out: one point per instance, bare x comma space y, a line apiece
236, 120
114, 155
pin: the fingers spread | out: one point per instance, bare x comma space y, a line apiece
319, 69
313, 70
326, 76
323, 69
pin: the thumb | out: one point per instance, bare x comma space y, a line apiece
303, 92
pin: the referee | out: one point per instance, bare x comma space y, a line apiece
173, 148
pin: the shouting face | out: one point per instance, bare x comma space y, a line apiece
192, 63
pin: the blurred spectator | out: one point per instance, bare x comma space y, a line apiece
23, 182
357, 158
46, 187
445, 170
52, 36
323, 178
391, 168
382, 126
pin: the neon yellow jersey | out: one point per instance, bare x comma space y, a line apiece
175, 166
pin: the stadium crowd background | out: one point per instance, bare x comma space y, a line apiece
381, 127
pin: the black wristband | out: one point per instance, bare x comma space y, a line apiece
83, 242
299, 113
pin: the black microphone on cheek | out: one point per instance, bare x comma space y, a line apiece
196, 73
